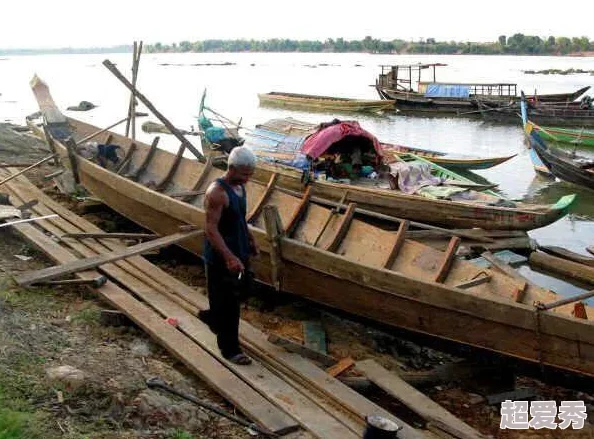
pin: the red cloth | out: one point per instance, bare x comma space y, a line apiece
319, 142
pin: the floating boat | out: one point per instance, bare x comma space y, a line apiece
324, 103
578, 137
293, 131
395, 82
330, 257
485, 209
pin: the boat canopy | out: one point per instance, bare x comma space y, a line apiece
336, 136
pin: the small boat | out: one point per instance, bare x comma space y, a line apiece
280, 154
579, 137
560, 163
324, 103
332, 258
293, 130
395, 82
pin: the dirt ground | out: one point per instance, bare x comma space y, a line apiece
43, 328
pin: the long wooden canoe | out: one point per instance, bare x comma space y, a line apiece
336, 260
578, 137
324, 103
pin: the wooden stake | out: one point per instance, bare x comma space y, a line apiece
113, 69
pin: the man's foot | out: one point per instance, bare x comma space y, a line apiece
240, 359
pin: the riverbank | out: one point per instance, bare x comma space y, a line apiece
63, 327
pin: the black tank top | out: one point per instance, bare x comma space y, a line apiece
232, 227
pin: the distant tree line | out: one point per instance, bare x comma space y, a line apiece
517, 44
124, 48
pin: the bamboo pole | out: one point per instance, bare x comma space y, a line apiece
113, 69
22, 171
96, 133
132, 104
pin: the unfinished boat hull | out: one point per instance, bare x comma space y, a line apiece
346, 264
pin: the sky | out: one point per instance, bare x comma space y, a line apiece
69, 23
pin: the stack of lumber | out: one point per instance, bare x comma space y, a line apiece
280, 391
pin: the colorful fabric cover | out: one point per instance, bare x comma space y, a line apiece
447, 91
320, 141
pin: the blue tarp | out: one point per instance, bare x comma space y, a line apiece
447, 91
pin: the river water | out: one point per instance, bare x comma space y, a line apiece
174, 84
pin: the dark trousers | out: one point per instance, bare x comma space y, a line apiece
224, 295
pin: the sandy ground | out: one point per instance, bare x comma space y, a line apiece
41, 328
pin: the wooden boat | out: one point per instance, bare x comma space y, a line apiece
292, 131
578, 137
432, 97
562, 164
324, 103
336, 260
541, 114
487, 211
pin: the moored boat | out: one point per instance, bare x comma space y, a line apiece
324, 103
334, 259
579, 137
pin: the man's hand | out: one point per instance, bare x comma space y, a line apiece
234, 264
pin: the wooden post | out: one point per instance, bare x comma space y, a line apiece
113, 69
132, 105
274, 232
71, 147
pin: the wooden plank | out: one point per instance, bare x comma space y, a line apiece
196, 359
86, 264
22, 171
127, 158
111, 235
567, 254
172, 170
342, 228
416, 401
201, 180
340, 367
314, 336
574, 270
503, 267
299, 212
274, 232
400, 237
251, 216
448, 259
135, 174
302, 350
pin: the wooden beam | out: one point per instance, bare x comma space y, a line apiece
127, 158
398, 242
203, 176
567, 254
504, 268
110, 235
340, 367
73, 158
113, 69
299, 212
342, 228
172, 170
135, 175
263, 199
274, 231
432, 412
186, 194
86, 264
573, 270
448, 260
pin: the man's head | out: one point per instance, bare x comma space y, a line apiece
240, 165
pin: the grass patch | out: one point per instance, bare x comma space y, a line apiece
21, 425
176, 434
87, 316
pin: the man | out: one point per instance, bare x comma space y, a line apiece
228, 246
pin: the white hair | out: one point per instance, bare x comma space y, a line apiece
241, 156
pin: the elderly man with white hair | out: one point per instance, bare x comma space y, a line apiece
228, 247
